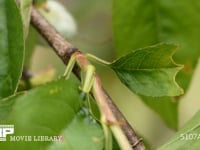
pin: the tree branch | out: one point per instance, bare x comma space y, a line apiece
64, 50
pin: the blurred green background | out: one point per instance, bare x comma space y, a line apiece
94, 22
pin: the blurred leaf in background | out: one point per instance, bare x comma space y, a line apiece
187, 137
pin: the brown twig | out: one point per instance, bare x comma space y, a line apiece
64, 50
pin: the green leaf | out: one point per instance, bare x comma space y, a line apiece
149, 71
186, 138
83, 133
148, 23
11, 47
6, 105
166, 107
25, 8
50, 110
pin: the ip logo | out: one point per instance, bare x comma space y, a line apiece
5, 130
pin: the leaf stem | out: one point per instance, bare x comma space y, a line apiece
97, 59
108, 136
120, 138
108, 117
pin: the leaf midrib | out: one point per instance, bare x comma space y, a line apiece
146, 69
